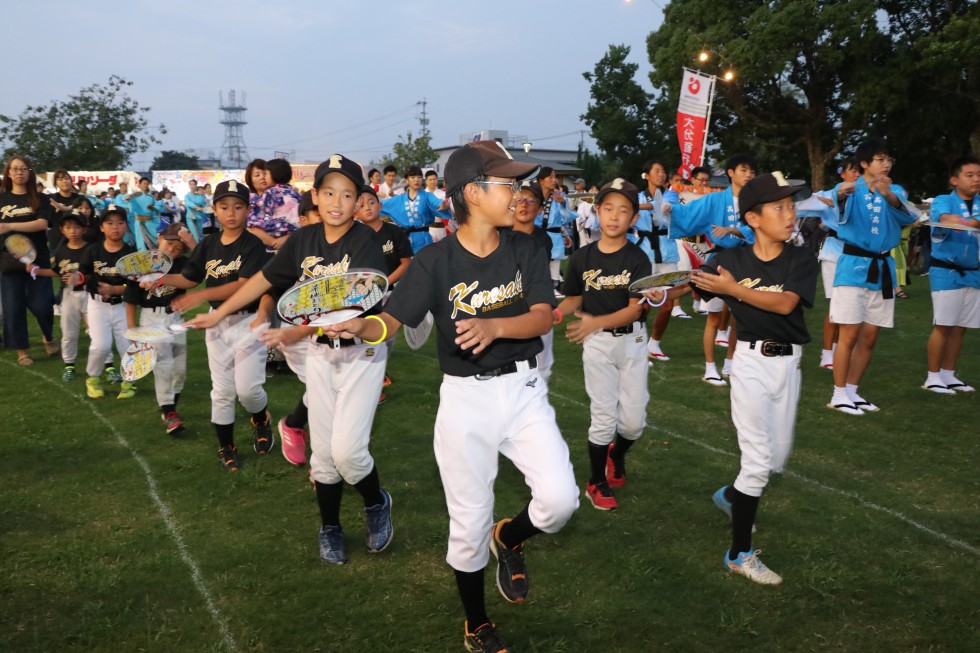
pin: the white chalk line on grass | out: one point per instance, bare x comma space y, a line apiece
165, 513
952, 541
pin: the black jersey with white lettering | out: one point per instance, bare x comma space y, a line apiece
602, 280
159, 297
68, 260
99, 265
306, 254
17, 208
217, 264
794, 270
394, 244
454, 284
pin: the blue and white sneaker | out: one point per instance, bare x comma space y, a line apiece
379, 526
721, 503
332, 546
748, 564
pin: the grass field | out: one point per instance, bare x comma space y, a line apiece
119, 538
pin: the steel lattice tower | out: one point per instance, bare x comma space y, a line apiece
233, 150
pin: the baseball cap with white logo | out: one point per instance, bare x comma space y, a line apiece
484, 158
770, 187
624, 188
231, 188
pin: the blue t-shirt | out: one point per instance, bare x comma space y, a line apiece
958, 247
713, 210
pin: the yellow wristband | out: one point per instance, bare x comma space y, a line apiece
384, 330
319, 332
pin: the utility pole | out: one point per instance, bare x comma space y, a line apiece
423, 119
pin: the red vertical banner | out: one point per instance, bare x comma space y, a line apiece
693, 110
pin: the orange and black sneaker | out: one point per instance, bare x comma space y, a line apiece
387, 381
512, 578
383, 399
228, 455
484, 639
262, 438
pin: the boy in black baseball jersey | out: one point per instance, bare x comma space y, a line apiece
343, 375
613, 335
105, 311
766, 286
491, 297
394, 243
170, 370
67, 258
224, 261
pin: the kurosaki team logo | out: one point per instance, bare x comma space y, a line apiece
467, 299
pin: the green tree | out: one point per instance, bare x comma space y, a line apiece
807, 74
411, 152
99, 128
174, 160
619, 115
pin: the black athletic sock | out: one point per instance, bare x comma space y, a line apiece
166, 408
328, 499
225, 433
176, 399
299, 417
518, 529
260, 417
471, 593
743, 516
370, 489
730, 493
597, 462
621, 447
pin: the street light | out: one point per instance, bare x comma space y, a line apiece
527, 146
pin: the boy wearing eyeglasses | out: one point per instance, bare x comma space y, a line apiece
488, 291
863, 301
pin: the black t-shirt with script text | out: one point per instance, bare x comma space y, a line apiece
217, 264
602, 280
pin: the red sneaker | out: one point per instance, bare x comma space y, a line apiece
173, 422
293, 443
615, 470
601, 496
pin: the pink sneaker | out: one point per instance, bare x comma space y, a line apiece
293, 443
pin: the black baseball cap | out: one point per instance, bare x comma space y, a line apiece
770, 187
343, 165
113, 209
488, 158
75, 216
368, 189
231, 188
172, 232
624, 188
535, 189
306, 203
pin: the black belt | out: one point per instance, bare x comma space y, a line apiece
339, 342
772, 348
654, 238
507, 368
832, 233
553, 230
623, 330
112, 300
417, 230
887, 289
166, 309
949, 265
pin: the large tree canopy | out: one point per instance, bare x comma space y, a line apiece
411, 152
99, 128
812, 77
175, 160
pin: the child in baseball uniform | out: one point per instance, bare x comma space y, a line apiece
954, 276
490, 295
528, 205
767, 286
863, 300
170, 370
105, 311
343, 374
613, 338
224, 261
67, 259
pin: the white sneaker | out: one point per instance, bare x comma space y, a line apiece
722, 339
748, 564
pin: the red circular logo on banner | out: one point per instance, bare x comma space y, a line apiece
694, 86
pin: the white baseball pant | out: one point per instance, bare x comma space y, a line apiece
170, 370
546, 358
74, 304
344, 384
295, 355
106, 322
616, 382
236, 359
765, 394
508, 414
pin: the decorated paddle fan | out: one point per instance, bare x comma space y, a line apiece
417, 336
21, 248
150, 265
138, 361
663, 280
331, 299
154, 332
